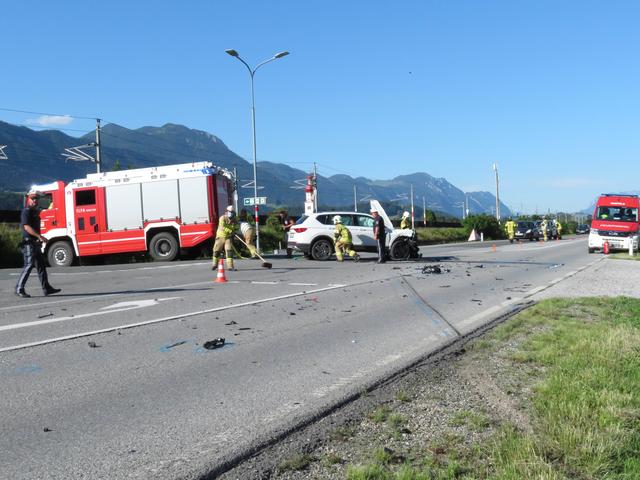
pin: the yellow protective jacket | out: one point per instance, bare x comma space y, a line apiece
342, 234
510, 227
405, 223
226, 227
559, 227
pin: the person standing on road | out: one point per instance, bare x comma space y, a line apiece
559, 229
510, 227
248, 232
342, 240
224, 234
543, 226
405, 223
379, 234
287, 223
31, 245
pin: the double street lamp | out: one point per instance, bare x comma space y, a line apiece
252, 72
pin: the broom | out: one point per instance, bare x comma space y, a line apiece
265, 264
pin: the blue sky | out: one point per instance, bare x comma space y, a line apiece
547, 89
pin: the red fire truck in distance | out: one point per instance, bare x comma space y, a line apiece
158, 210
615, 221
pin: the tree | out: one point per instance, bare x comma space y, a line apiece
486, 224
116, 166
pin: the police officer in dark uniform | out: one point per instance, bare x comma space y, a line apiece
379, 234
32, 247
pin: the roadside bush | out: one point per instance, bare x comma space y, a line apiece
485, 224
441, 235
10, 255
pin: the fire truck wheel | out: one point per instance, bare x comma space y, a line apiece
60, 254
163, 247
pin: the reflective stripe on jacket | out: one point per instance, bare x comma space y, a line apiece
342, 234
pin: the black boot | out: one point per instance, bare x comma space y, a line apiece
22, 294
50, 290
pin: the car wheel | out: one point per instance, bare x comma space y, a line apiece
60, 254
163, 247
400, 250
321, 249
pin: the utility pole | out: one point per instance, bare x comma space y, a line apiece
495, 169
424, 210
413, 226
98, 146
235, 188
315, 182
355, 198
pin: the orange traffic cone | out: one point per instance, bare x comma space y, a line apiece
493, 247
221, 277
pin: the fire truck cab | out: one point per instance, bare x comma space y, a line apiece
159, 210
615, 220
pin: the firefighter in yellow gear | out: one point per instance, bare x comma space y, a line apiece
510, 228
543, 227
342, 240
559, 227
226, 226
406, 221
248, 232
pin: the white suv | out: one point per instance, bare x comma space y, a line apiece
313, 235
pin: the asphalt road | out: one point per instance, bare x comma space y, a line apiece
110, 378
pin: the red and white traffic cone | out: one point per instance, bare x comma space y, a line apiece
221, 277
605, 248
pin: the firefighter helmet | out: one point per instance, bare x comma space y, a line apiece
337, 219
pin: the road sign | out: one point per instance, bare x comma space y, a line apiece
249, 201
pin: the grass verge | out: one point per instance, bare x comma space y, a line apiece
554, 393
10, 255
441, 235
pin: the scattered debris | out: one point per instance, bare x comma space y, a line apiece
45, 315
435, 269
213, 344
244, 328
478, 266
508, 298
444, 286
177, 344
93, 344
292, 313
232, 322
47, 429
476, 300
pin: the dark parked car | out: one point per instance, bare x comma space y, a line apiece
582, 229
527, 231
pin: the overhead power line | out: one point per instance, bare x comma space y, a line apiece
80, 117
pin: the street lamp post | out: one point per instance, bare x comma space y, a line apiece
252, 72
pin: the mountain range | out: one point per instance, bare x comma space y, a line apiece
34, 157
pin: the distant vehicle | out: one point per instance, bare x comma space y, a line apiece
158, 210
615, 221
313, 235
527, 231
552, 229
582, 229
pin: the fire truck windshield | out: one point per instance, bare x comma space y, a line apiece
619, 214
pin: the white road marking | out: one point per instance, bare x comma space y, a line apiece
117, 308
149, 322
264, 283
295, 284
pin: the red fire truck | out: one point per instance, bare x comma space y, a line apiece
615, 221
159, 210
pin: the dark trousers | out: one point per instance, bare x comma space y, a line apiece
32, 258
381, 252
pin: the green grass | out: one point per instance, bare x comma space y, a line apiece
584, 409
625, 256
380, 415
10, 255
441, 235
296, 463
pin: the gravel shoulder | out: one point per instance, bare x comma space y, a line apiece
450, 401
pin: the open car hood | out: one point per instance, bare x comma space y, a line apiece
375, 205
